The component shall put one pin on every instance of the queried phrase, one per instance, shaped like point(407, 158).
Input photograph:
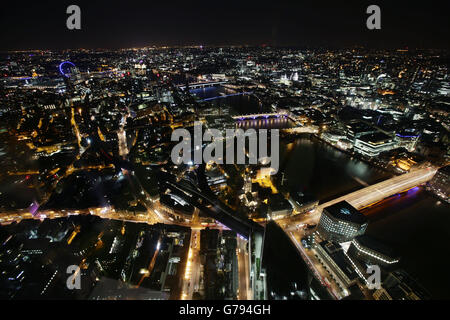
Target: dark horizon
point(106, 25)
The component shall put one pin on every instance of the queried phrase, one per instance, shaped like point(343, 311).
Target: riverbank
point(359, 157)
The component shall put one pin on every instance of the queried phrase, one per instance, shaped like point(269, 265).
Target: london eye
point(65, 68)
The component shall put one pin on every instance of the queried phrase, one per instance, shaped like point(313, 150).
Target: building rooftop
point(359, 127)
point(345, 211)
point(445, 170)
point(336, 253)
point(278, 202)
point(374, 244)
point(375, 138)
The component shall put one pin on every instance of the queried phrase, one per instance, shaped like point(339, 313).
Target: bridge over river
point(370, 195)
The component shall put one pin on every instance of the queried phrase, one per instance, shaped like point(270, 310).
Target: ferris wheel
point(65, 68)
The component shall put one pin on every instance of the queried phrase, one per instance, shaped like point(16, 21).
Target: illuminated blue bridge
point(227, 95)
point(262, 116)
point(196, 85)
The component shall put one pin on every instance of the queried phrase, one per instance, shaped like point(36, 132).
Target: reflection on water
point(269, 123)
point(243, 104)
point(315, 167)
point(209, 92)
point(417, 225)
point(413, 223)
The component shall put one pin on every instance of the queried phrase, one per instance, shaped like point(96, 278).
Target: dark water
point(417, 226)
point(243, 104)
point(314, 167)
point(263, 123)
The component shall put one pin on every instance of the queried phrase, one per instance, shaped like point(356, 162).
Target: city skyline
point(224, 152)
point(140, 24)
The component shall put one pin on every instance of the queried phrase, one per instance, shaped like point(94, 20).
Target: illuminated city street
point(215, 153)
point(244, 272)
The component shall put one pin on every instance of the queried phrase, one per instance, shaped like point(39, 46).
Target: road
point(366, 196)
point(384, 189)
point(151, 265)
point(123, 150)
point(244, 270)
point(191, 279)
point(359, 199)
point(317, 269)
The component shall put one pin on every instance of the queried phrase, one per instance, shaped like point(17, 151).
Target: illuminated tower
point(341, 222)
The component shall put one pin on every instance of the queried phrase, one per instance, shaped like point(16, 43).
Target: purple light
point(60, 67)
point(34, 208)
point(401, 136)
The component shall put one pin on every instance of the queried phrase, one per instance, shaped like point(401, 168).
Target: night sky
point(131, 23)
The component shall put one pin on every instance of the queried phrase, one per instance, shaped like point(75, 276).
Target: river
point(415, 224)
